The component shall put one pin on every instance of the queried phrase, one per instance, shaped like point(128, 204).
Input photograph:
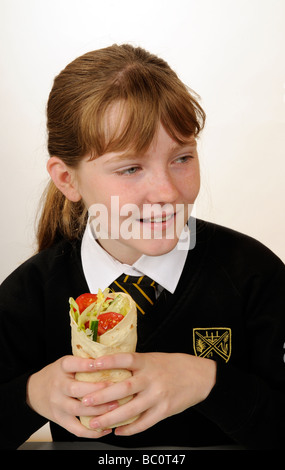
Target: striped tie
point(141, 289)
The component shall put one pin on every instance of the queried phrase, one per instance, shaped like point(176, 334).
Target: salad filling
point(95, 314)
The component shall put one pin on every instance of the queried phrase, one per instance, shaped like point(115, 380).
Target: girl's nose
point(162, 188)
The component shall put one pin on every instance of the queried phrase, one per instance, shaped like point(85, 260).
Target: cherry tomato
point(84, 300)
point(107, 321)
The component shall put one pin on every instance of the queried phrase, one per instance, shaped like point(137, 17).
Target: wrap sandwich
point(103, 324)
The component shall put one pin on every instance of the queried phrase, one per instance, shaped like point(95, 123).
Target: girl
point(209, 366)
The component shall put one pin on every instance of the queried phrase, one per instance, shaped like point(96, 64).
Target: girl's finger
point(77, 389)
point(133, 408)
point(74, 426)
point(115, 391)
point(73, 364)
point(75, 407)
point(130, 361)
point(146, 420)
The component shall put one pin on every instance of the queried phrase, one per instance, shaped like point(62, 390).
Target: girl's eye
point(128, 171)
point(183, 159)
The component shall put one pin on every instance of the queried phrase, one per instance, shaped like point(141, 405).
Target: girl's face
point(159, 184)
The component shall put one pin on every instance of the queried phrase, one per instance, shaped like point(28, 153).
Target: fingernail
point(95, 364)
point(87, 401)
point(113, 406)
point(92, 365)
point(98, 363)
point(94, 424)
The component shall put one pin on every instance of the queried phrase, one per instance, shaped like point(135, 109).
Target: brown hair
point(149, 92)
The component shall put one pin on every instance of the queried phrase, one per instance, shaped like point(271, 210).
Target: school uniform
point(226, 303)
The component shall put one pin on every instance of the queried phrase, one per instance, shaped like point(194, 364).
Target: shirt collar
point(101, 269)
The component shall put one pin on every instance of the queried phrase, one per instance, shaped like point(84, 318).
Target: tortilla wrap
point(121, 338)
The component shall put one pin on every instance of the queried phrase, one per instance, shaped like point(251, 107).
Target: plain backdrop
point(231, 52)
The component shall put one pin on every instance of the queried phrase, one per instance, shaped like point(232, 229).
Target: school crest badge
point(212, 342)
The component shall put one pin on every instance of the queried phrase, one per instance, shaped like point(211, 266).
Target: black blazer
point(229, 306)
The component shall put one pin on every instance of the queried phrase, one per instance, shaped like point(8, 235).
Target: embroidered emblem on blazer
point(213, 342)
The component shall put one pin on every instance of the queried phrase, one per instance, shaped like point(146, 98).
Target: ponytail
point(60, 218)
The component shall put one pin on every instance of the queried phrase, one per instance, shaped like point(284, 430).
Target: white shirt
point(101, 269)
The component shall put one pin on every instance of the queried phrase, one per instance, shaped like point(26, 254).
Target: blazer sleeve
point(248, 404)
point(22, 353)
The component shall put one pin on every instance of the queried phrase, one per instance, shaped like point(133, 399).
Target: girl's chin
point(153, 247)
point(129, 251)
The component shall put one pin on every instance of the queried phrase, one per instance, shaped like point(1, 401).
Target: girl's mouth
point(158, 219)
point(159, 224)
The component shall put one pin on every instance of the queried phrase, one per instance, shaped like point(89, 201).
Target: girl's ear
point(64, 178)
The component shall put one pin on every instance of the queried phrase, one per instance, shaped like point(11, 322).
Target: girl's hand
point(54, 393)
point(163, 384)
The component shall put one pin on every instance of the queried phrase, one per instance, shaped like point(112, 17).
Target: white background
point(231, 52)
